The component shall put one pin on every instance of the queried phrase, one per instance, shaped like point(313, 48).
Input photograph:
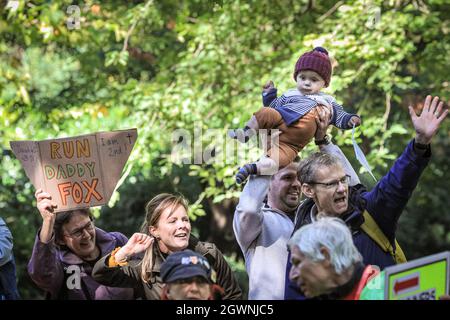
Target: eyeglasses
point(333, 184)
point(78, 233)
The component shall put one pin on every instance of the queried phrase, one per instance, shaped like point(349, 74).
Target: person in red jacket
point(326, 262)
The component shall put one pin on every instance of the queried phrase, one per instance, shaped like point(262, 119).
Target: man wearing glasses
point(326, 185)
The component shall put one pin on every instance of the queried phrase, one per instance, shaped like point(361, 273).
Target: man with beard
point(371, 215)
point(263, 229)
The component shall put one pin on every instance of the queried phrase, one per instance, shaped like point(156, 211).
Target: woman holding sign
point(65, 250)
point(166, 229)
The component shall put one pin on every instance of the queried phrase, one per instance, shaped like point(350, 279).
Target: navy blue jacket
point(385, 203)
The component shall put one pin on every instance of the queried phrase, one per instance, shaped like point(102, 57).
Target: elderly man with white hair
point(326, 262)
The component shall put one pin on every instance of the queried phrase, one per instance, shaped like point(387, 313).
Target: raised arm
point(269, 96)
point(127, 276)
point(269, 93)
point(248, 218)
point(114, 270)
point(44, 267)
point(386, 201)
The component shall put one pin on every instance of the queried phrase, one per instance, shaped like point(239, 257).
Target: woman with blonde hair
point(166, 229)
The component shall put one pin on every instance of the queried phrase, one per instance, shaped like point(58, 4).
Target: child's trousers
point(292, 139)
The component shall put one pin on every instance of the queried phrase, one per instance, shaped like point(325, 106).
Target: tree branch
point(130, 31)
point(388, 111)
point(385, 118)
point(330, 12)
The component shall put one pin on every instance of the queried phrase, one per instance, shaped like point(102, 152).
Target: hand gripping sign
point(80, 171)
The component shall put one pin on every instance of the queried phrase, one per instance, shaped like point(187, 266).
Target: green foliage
point(162, 66)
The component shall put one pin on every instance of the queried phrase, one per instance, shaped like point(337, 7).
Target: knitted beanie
point(316, 60)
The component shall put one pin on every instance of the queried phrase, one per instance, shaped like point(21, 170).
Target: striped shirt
point(292, 105)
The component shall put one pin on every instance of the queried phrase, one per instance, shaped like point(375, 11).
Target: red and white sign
point(406, 284)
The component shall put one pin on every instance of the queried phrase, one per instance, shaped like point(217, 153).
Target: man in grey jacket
point(263, 229)
point(8, 285)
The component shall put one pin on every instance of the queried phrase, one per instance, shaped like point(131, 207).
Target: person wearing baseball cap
point(188, 276)
point(295, 114)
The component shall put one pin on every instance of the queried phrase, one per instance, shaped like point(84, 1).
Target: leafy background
point(163, 66)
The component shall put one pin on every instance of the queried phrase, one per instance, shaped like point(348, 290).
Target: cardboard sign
point(422, 279)
point(80, 171)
